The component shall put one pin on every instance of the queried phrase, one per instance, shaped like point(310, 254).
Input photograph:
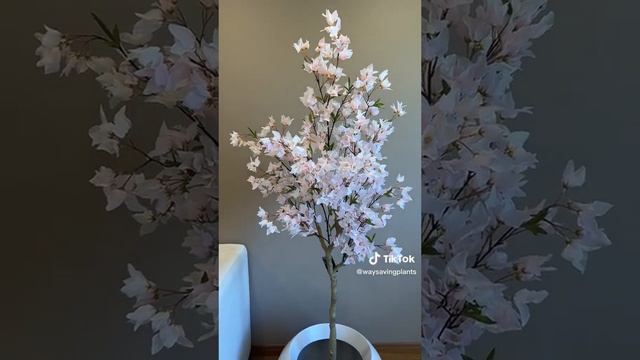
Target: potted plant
point(327, 176)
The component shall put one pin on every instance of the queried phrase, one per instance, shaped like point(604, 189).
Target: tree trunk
point(333, 342)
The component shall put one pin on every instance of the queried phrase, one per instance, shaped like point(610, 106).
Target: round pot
point(321, 332)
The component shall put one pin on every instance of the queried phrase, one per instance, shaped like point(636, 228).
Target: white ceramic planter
point(233, 299)
point(321, 332)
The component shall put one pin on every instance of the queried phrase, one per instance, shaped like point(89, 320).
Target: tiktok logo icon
point(374, 259)
point(392, 259)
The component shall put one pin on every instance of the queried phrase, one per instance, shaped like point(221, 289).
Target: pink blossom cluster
point(473, 176)
point(328, 177)
point(177, 178)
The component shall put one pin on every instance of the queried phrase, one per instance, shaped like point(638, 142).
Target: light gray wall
point(63, 256)
point(260, 76)
point(584, 86)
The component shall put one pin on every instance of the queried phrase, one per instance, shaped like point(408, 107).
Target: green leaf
point(371, 238)
point(103, 26)
point(310, 151)
point(539, 216)
point(509, 7)
point(339, 229)
point(445, 87)
point(116, 34)
point(536, 229)
point(492, 354)
point(204, 278)
point(428, 249)
point(474, 311)
point(533, 224)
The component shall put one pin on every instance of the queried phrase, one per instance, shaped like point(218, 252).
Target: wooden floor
point(387, 352)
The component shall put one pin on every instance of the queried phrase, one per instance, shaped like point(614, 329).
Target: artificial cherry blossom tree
point(327, 176)
point(177, 179)
point(473, 176)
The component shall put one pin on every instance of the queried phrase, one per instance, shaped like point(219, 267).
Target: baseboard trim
point(266, 350)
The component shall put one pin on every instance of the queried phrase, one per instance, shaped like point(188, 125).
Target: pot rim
point(319, 332)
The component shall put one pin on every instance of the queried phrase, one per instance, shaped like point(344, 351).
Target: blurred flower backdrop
point(473, 177)
point(177, 178)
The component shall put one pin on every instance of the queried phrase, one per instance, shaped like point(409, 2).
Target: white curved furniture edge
point(321, 332)
point(233, 299)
